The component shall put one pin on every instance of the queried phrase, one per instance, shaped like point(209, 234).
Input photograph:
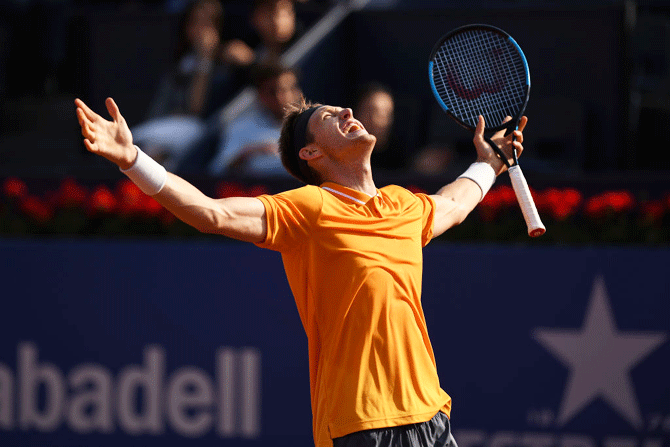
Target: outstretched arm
point(457, 199)
point(241, 218)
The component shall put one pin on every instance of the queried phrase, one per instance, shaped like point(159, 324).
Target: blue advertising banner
point(107, 343)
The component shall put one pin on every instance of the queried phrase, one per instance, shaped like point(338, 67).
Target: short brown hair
point(295, 165)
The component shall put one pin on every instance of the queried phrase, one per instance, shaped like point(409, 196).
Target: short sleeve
point(427, 217)
point(290, 217)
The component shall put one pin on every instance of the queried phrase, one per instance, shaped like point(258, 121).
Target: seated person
point(374, 106)
point(275, 25)
point(191, 91)
point(250, 142)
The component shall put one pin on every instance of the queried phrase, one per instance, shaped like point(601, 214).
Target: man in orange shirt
point(353, 258)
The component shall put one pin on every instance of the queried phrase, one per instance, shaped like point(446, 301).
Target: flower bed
point(613, 217)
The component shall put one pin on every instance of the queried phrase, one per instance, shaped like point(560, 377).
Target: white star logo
point(600, 359)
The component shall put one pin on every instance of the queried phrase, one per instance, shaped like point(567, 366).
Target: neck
point(357, 177)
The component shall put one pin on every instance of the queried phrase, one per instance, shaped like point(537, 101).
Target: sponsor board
point(111, 343)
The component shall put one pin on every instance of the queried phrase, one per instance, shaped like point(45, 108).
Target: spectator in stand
point(197, 85)
point(433, 160)
point(438, 156)
point(275, 24)
point(273, 28)
point(249, 145)
point(374, 106)
point(375, 109)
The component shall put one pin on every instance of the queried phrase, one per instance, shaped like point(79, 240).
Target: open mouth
point(352, 128)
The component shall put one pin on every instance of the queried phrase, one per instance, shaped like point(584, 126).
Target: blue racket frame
point(516, 115)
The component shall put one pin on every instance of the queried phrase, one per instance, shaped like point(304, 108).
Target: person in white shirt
point(249, 144)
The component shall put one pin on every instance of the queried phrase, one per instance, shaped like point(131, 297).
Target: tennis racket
point(480, 70)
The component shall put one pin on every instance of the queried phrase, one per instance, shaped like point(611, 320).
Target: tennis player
point(353, 258)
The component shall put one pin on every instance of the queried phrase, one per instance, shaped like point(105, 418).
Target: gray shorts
point(434, 433)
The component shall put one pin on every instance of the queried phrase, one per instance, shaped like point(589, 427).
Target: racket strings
point(479, 72)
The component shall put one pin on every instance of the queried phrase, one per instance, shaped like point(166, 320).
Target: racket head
point(477, 70)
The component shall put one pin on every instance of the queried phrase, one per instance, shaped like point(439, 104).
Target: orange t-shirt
point(354, 265)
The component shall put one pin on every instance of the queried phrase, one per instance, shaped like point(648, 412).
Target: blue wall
point(153, 343)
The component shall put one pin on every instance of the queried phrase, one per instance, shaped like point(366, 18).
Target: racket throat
point(499, 152)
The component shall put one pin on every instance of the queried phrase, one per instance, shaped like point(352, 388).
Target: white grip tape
point(523, 196)
point(147, 174)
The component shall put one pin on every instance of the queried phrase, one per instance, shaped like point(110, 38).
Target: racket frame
point(514, 122)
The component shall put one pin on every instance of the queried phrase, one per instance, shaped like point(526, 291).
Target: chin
point(370, 139)
point(366, 141)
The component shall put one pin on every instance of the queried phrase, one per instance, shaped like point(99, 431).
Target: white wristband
point(147, 174)
point(482, 174)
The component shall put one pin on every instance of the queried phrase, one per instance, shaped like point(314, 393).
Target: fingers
point(91, 147)
point(113, 110)
point(479, 130)
point(518, 134)
point(522, 123)
point(519, 148)
point(86, 126)
point(90, 114)
point(478, 140)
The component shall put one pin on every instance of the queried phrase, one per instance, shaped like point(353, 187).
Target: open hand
point(109, 139)
point(507, 144)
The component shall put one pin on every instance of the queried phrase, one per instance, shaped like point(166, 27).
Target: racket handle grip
point(535, 226)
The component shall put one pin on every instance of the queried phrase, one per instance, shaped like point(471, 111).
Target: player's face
point(335, 131)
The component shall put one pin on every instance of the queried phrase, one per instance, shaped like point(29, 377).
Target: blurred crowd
point(217, 55)
point(184, 129)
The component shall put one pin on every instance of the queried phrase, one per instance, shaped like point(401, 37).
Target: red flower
point(130, 198)
point(36, 208)
point(610, 201)
point(489, 206)
point(596, 206)
point(561, 204)
point(229, 189)
point(14, 188)
point(573, 197)
point(652, 210)
point(151, 207)
point(620, 201)
point(102, 200)
point(506, 196)
point(71, 194)
point(496, 200)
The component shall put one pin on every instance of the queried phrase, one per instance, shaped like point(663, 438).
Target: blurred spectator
point(275, 23)
point(249, 144)
point(374, 107)
point(438, 155)
point(433, 160)
point(197, 86)
point(274, 27)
